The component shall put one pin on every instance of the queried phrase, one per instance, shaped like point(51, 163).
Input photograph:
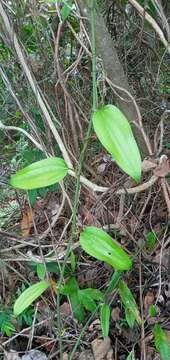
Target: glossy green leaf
point(105, 319)
point(40, 174)
point(161, 342)
point(100, 245)
point(29, 296)
point(131, 309)
point(115, 134)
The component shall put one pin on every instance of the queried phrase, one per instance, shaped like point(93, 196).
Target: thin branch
point(25, 114)
point(152, 22)
point(139, 188)
point(15, 128)
point(34, 86)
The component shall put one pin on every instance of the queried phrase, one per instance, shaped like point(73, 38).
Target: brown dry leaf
point(65, 310)
point(148, 300)
point(163, 168)
point(102, 349)
point(148, 164)
point(115, 314)
point(27, 222)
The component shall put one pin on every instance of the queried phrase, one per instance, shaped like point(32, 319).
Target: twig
point(139, 188)
point(25, 114)
point(152, 22)
point(166, 195)
point(36, 90)
point(15, 128)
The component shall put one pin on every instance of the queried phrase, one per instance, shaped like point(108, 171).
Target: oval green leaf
point(29, 296)
point(105, 319)
point(161, 342)
point(114, 132)
point(40, 174)
point(99, 244)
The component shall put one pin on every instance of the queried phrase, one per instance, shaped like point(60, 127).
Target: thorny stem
point(81, 161)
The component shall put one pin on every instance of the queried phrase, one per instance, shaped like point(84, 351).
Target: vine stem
point(81, 162)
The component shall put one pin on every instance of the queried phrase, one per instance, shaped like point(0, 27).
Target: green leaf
point(115, 134)
point(66, 9)
point(7, 328)
point(99, 244)
point(73, 261)
point(152, 310)
point(114, 281)
point(105, 319)
point(41, 271)
point(29, 296)
point(130, 316)
point(32, 194)
point(77, 307)
point(87, 300)
point(131, 309)
point(40, 174)
point(71, 289)
point(151, 240)
point(94, 294)
point(161, 342)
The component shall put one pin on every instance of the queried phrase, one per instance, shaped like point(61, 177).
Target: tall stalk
point(81, 160)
